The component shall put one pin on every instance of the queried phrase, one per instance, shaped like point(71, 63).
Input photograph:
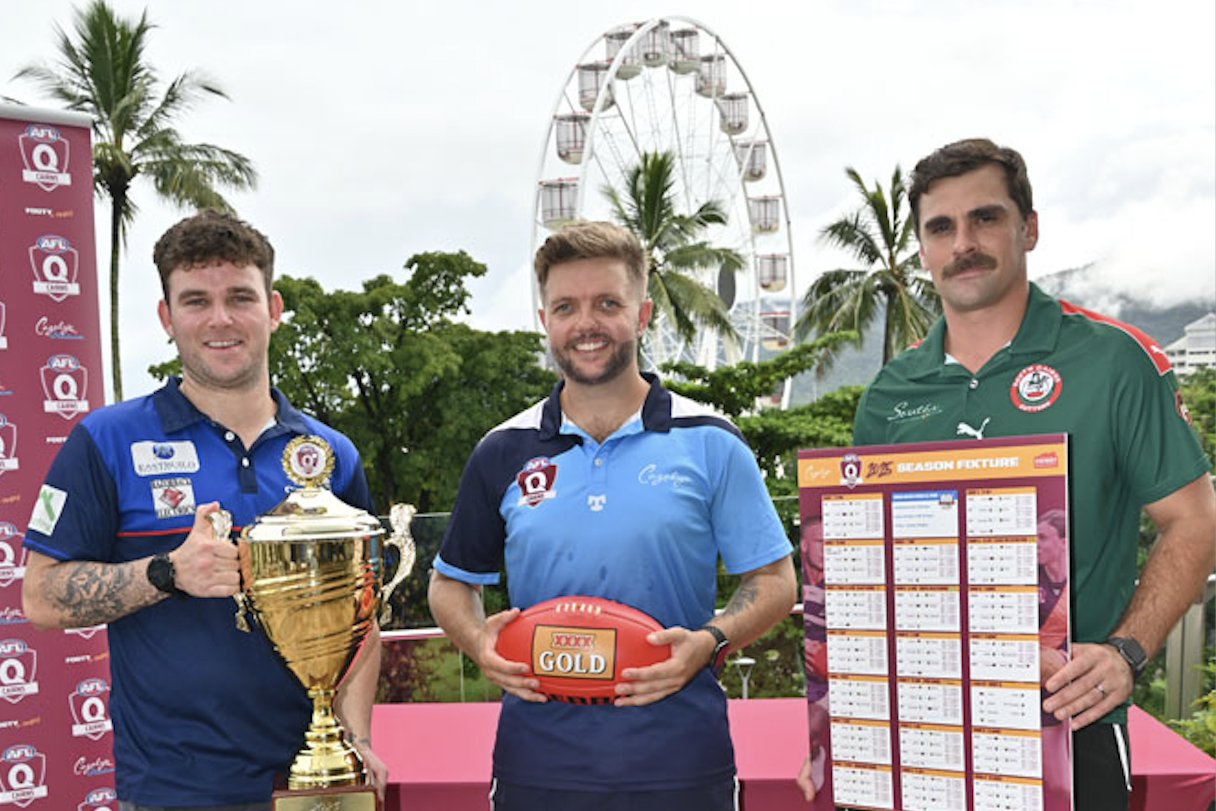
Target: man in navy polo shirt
point(204, 715)
point(647, 490)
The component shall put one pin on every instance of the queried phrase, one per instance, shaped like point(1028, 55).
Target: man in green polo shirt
point(1007, 359)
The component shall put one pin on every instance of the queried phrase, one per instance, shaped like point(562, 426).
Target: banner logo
point(10, 567)
point(56, 330)
point(22, 775)
point(18, 670)
point(99, 799)
point(8, 445)
point(55, 264)
point(90, 704)
point(45, 154)
point(536, 481)
point(64, 381)
point(850, 470)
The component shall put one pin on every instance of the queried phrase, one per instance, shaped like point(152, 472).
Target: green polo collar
point(1038, 333)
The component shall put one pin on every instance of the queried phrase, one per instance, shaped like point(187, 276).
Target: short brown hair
point(962, 157)
point(591, 240)
point(212, 235)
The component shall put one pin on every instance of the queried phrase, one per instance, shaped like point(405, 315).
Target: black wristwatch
point(1131, 651)
point(160, 574)
point(721, 647)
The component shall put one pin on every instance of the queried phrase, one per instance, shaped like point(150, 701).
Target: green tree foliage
point(879, 235)
point(389, 367)
point(102, 70)
point(1199, 394)
point(674, 244)
point(775, 435)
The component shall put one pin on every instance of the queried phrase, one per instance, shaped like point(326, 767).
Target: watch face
point(160, 573)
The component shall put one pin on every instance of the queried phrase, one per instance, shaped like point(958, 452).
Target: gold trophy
point(311, 573)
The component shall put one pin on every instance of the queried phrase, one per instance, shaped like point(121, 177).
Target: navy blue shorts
point(723, 796)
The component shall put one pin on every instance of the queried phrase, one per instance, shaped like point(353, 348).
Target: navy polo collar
point(656, 410)
point(177, 413)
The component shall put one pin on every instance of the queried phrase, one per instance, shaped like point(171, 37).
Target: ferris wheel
point(671, 85)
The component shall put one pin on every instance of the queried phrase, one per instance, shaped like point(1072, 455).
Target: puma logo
point(966, 430)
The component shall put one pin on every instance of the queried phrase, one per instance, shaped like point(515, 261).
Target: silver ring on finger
point(1100, 689)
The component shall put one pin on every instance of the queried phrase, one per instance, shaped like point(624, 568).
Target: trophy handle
point(400, 516)
point(244, 604)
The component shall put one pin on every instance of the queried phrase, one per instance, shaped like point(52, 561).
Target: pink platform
point(439, 757)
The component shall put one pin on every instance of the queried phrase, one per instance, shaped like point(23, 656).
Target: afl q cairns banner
point(55, 730)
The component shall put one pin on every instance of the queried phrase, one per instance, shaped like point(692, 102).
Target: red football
point(578, 646)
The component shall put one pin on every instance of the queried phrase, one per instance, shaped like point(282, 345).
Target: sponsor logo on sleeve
point(536, 481)
point(45, 155)
point(90, 705)
point(1183, 411)
point(18, 670)
point(22, 775)
point(1035, 387)
point(55, 264)
point(152, 458)
point(64, 382)
point(173, 497)
point(47, 509)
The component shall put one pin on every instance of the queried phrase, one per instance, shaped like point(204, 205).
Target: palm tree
point(671, 241)
point(102, 71)
point(879, 235)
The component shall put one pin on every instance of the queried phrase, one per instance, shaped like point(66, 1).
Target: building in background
point(1196, 348)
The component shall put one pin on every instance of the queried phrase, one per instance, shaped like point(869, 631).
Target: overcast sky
point(381, 129)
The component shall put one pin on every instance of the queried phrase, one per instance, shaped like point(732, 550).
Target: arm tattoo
point(89, 593)
point(743, 598)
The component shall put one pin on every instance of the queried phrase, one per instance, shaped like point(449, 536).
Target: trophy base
point(333, 798)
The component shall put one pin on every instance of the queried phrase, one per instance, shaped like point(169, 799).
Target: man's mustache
point(971, 260)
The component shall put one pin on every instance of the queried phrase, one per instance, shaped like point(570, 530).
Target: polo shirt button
point(974, 384)
point(245, 462)
point(599, 461)
point(228, 435)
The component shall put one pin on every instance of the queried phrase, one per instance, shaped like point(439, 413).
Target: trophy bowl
point(311, 574)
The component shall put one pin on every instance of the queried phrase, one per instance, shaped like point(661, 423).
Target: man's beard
point(620, 360)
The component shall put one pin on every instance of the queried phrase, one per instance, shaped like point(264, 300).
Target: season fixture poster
point(935, 596)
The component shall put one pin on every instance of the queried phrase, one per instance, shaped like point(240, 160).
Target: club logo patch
point(173, 497)
point(1036, 387)
point(536, 481)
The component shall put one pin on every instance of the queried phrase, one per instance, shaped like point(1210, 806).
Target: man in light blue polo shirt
point(613, 487)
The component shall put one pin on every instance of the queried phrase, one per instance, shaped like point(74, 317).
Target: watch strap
point(1131, 651)
point(721, 647)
